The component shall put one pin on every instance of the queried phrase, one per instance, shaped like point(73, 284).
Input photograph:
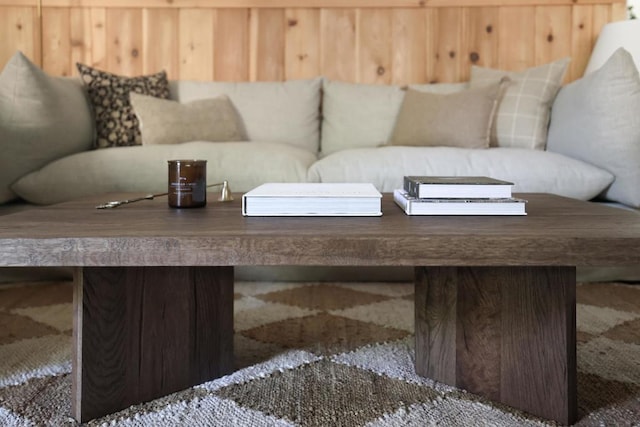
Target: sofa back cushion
point(597, 119)
point(357, 115)
point(286, 112)
point(42, 118)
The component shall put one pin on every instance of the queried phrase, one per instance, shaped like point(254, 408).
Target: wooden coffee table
point(153, 300)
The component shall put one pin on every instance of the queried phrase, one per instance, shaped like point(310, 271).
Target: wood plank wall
point(369, 41)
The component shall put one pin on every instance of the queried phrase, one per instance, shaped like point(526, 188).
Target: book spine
point(411, 186)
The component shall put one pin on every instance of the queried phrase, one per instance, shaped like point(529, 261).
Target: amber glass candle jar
point(187, 183)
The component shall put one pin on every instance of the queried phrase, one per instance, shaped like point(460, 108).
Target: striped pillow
point(523, 116)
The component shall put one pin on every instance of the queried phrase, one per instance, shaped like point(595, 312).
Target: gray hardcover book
point(458, 187)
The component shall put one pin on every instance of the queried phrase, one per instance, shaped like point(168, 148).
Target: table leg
point(506, 333)
point(144, 332)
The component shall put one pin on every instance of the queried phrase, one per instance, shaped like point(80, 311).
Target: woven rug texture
point(315, 354)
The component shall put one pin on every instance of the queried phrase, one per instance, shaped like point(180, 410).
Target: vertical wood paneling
point(302, 43)
point(267, 44)
point(81, 36)
point(481, 40)
point(124, 41)
point(338, 44)
point(516, 33)
point(195, 44)
point(231, 38)
point(447, 31)
point(431, 44)
point(582, 40)
point(374, 39)
point(553, 33)
point(160, 29)
point(99, 34)
point(409, 53)
point(19, 30)
point(56, 41)
point(369, 45)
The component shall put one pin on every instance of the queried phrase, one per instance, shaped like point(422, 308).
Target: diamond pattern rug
point(315, 354)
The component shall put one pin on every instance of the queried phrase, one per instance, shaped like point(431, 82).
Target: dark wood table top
point(556, 231)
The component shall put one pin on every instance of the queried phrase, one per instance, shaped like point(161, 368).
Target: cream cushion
point(530, 170)
point(597, 119)
point(287, 112)
point(164, 121)
point(144, 169)
point(522, 119)
point(42, 118)
point(461, 119)
point(357, 115)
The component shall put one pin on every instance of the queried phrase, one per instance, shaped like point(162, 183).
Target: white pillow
point(522, 119)
point(597, 119)
point(42, 118)
point(287, 112)
point(532, 171)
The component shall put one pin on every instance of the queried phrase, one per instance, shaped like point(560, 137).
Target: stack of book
point(464, 195)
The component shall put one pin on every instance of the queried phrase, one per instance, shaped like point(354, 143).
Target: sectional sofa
point(65, 138)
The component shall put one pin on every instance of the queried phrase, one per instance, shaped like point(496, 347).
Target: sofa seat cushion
point(283, 112)
point(144, 169)
point(532, 171)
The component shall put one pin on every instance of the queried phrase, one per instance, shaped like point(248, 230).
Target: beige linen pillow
point(42, 118)
point(116, 125)
point(163, 121)
point(461, 119)
point(522, 118)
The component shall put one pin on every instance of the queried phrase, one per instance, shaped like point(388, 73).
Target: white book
point(312, 199)
point(501, 206)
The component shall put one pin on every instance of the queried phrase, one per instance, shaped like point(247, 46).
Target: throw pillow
point(597, 119)
point(42, 118)
point(461, 119)
point(163, 121)
point(116, 125)
point(522, 119)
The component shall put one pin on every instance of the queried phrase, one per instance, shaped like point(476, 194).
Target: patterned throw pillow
point(116, 123)
point(522, 119)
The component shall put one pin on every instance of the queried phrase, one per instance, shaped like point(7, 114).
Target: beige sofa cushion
point(144, 169)
point(523, 115)
point(597, 119)
point(42, 118)
point(287, 112)
point(357, 115)
point(164, 121)
point(461, 119)
point(530, 170)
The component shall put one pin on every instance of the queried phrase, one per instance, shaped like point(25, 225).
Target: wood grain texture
point(308, 3)
point(507, 333)
point(436, 296)
point(377, 42)
point(141, 333)
point(196, 44)
point(302, 48)
point(20, 30)
point(556, 231)
point(538, 362)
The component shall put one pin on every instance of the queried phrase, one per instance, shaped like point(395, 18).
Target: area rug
point(315, 354)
